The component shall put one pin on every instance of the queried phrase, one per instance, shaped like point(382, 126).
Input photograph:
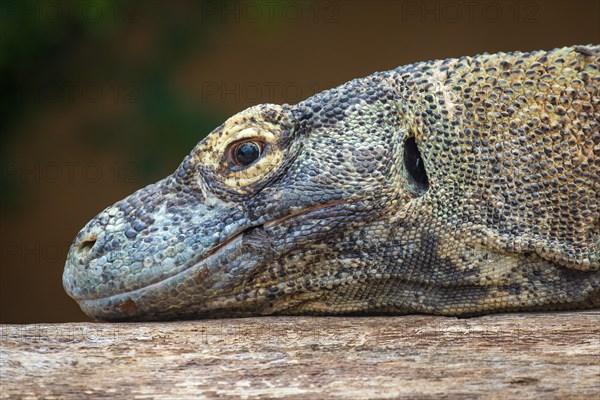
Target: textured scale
point(454, 187)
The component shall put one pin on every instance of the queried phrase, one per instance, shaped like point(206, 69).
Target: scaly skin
point(494, 209)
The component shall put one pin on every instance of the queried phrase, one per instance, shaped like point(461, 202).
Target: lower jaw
point(164, 299)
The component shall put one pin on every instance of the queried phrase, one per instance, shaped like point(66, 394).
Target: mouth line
point(215, 250)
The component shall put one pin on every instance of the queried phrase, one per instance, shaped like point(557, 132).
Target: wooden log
point(536, 355)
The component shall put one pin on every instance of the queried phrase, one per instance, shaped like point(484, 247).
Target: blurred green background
point(100, 98)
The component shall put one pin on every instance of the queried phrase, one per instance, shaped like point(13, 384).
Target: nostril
point(86, 245)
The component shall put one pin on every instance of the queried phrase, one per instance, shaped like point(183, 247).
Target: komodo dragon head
point(383, 195)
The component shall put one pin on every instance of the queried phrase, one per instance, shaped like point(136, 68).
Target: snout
point(152, 252)
point(81, 277)
point(117, 246)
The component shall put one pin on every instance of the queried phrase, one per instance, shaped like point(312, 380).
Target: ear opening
point(415, 167)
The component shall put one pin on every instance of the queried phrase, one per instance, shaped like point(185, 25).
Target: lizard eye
point(249, 155)
point(246, 153)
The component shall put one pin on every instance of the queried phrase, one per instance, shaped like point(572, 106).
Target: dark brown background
point(100, 98)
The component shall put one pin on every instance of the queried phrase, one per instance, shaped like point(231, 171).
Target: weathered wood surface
point(544, 355)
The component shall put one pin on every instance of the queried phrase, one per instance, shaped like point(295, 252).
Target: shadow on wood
point(549, 355)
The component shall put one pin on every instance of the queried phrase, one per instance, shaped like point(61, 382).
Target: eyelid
point(249, 134)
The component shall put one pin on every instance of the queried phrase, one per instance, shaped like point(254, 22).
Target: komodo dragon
point(453, 187)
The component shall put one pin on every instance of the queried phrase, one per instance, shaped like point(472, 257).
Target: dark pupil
point(247, 153)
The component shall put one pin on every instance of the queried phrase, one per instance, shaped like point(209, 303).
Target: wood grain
point(542, 355)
